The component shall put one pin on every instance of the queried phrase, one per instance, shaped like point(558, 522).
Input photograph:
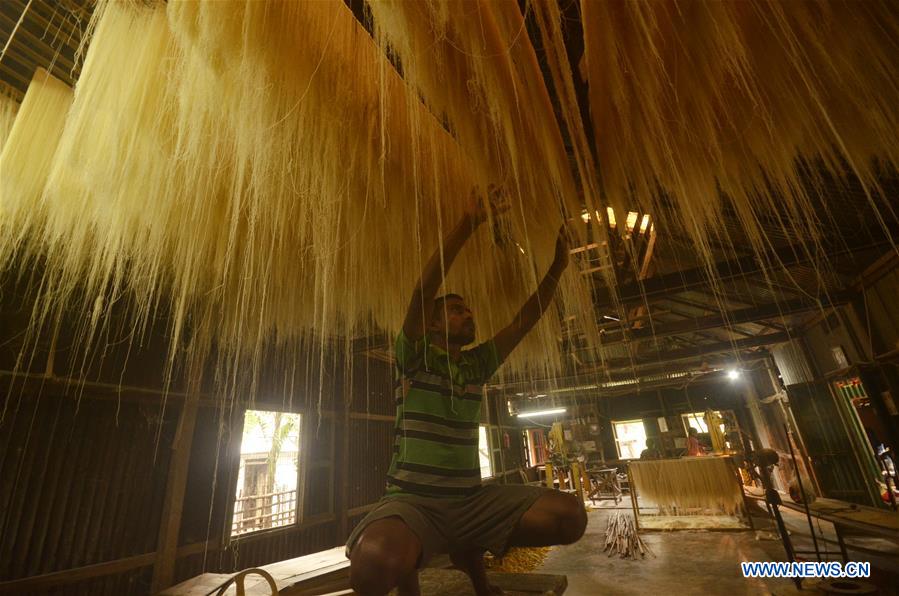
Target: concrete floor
point(684, 562)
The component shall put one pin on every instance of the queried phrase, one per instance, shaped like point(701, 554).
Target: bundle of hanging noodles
point(688, 486)
point(262, 172)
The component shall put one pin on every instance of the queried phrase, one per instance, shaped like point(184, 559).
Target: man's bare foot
point(472, 563)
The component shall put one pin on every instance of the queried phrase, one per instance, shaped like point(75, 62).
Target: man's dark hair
point(440, 300)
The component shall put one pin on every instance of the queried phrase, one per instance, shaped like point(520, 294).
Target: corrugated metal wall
point(792, 363)
point(80, 483)
point(84, 482)
point(371, 447)
point(828, 443)
point(882, 303)
point(827, 334)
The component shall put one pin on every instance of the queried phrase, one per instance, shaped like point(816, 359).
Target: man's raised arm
point(422, 303)
point(506, 340)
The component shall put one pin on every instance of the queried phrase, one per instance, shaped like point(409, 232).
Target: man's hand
point(415, 325)
point(497, 201)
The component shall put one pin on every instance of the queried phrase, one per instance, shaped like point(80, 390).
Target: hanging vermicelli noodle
point(265, 175)
point(28, 151)
point(706, 111)
point(688, 486)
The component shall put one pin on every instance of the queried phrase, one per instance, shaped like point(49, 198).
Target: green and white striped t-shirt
point(438, 408)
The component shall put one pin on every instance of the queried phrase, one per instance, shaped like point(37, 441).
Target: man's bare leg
point(555, 518)
point(385, 557)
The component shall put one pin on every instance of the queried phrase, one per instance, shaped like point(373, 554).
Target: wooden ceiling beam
point(774, 310)
point(660, 287)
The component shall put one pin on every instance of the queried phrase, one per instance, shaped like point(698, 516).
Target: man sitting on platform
point(434, 501)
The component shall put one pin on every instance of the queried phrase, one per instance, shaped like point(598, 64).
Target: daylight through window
point(630, 438)
point(268, 477)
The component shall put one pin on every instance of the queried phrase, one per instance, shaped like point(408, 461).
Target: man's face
point(453, 320)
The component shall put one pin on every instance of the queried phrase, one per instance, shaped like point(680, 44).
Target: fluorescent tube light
point(542, 413)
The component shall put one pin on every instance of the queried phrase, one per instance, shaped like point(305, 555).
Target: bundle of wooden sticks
point(622, 538)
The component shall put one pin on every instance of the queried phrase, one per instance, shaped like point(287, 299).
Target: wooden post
point(343, 472)
point(576, 477)
point(179, 463)
point(586, 485)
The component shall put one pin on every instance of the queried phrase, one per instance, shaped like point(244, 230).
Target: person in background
point(693, 445)
point(651, 451)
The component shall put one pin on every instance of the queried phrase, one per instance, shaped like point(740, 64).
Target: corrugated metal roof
point(44, 34)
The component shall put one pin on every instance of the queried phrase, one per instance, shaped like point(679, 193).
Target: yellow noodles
point(260, 170)
point(688, 486)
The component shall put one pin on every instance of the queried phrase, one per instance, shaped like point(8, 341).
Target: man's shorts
point(483, 521)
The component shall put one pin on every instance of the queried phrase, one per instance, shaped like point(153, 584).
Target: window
point(534, 446)
point(697, 420)
point(496, 445)
point(630, 438)
point(719, 439)
point(484, 452)
point(268, 477)
point(490, 451)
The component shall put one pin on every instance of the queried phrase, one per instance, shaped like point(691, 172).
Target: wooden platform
point(320, 571)
point(327, 572)
point(450, 582)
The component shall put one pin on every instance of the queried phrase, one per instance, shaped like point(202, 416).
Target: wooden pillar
point(343, 472)
point(179, 463)
point(576, 478)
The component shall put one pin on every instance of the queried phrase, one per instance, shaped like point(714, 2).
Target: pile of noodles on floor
point(518, 560)
point(264, 174)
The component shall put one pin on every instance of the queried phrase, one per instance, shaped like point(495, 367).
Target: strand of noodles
point(475, 69)
point(33, 134)
point(30, 144)
point(697, 112)
point(549, 21)
point(240, 174)
point(697, 486)
point(263, 165)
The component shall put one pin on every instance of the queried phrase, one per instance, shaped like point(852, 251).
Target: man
point(434, 501)
point(694, 447)
point(651, 451)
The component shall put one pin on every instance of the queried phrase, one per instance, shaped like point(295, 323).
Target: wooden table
point(605, 484)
